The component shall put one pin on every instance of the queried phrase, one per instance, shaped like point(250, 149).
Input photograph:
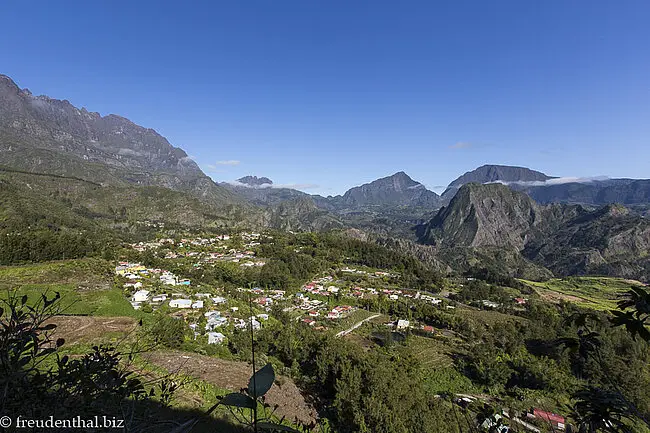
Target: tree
point(168, 331)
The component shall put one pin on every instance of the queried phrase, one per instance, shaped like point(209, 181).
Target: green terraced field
point(599, 293)
point(85, 286)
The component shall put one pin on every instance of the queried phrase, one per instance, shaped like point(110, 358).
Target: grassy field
point(487, 317)
point(86, 272)
point(85, 286)
point(354, 317)
point(598, 293)
point(432, 352)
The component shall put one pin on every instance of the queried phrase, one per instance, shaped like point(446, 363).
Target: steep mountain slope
point(40, 134)
point(61, 202)
point(546, 189)
point(300, 214)
point(260, 191)
point(492, 173)
point(608, 241)
point(396, 190)
point(481, 215)
point(567, 239)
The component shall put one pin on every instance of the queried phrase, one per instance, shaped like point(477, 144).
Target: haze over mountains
point(112, 171)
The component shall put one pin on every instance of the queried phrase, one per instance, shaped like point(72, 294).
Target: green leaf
point(275, 427)
point(261, 382)
point(238, 399)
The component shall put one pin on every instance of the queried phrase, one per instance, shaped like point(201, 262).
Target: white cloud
point(228, 162)
point(269, 185)
point(554, 181)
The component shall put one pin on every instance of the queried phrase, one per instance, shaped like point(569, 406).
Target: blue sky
point(332, 94)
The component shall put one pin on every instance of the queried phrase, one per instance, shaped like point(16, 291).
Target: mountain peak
point(59, 126)
point(255, 181)
point(395, 190)
point(494, 173)
point(481, 215)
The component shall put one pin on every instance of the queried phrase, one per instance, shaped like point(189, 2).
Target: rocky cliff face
point(255, 181)
point(568, 239)
point(300, 214)
point(484, 215)
point(113, 140)
point(45, 135)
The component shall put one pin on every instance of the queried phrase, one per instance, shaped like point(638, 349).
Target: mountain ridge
point(567, 239)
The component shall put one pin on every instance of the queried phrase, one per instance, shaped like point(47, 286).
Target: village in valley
point(335, 300)
point(339, 300)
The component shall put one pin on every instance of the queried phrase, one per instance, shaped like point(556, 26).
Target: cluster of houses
point(325, 287)
point(492, 304)
point(140, 279)
point(371, 274)
point(195, 248)
point(340, 311)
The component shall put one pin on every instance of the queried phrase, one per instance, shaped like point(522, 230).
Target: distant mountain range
point(400, 191)
point(65, 168)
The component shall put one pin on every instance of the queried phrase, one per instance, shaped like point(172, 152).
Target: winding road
point(356, 325)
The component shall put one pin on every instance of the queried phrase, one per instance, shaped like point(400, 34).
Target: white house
point(254, 323)
point(218, 300)
point(197, 305)
point(141, 296)
point(215, 322)
point(263, 316)
point(216, 338)
point(402, 324)
point(159, 298)
point(180, 303)
point(490, 304)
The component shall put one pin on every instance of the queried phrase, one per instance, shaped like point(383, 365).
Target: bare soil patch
point(76, 329)
point(556, 297)
point(234, 375)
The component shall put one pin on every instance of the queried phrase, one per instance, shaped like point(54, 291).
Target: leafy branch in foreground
point(600, 409)
point(637, 319)
point(36, 381)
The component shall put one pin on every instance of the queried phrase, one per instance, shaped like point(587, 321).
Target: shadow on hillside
point(168, 419)
point(139, 417)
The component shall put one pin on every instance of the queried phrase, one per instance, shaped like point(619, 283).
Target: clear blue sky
point(332, 94)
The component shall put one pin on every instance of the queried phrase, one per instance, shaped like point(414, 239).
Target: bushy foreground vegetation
point(591, 366)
